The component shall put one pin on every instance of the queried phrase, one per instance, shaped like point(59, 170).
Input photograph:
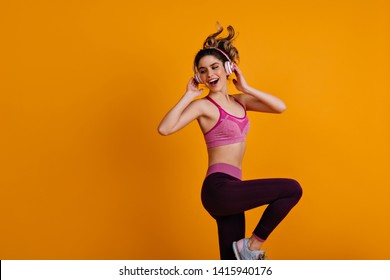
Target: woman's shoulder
point(204, 105)
point(238, 97)
point(202, 102)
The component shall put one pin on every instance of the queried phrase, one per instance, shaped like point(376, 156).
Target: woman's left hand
point(240, 82)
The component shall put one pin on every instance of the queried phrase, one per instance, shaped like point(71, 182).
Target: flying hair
point(225, 44)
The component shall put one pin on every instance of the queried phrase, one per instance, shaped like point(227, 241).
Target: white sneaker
point(245, 253)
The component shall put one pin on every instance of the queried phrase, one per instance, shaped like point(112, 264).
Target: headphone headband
point(221, 51)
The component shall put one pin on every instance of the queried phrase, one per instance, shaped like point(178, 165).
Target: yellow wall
point(84, 84)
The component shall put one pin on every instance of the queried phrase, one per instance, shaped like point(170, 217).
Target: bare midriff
point(232, 154)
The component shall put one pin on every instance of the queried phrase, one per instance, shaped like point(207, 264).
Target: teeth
point(213, 80)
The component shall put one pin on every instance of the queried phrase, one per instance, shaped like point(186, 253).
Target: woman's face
point(212, 73)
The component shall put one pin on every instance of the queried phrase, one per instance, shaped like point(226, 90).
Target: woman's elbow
point(282, 108)
point(162, 131)
point(279, 109)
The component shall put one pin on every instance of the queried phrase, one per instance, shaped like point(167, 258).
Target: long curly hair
point(213, 44)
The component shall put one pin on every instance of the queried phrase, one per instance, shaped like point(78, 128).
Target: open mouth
point(213, 82)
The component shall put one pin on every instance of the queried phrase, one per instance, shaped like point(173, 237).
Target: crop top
point(229, 129)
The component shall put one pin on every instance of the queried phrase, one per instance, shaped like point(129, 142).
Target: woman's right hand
point(192, 89)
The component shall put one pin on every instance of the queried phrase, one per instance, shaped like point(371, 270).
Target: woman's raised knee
point(296, 188)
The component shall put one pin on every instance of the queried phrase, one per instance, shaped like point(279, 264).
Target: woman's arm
point(185, 111)
point(256, 100)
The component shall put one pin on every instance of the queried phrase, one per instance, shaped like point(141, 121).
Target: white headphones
point(228, 65)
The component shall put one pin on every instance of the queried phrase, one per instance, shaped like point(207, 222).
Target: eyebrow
point(210, 65)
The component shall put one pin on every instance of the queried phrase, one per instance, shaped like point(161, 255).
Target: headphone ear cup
point(197, 78)
point(228, 67)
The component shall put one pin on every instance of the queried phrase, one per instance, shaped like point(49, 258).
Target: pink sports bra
point(229, 129)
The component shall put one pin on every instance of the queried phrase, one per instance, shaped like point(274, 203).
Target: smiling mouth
point(213, 82)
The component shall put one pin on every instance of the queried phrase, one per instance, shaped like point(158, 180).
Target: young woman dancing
point(224, 122)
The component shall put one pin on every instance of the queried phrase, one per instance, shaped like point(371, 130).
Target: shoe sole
point(235, 250)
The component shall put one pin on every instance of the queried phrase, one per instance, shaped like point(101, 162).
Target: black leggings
point(226, 198)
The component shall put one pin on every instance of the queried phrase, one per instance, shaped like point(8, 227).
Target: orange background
point(84, 84)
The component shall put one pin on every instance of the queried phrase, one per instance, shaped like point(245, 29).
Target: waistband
point(225, 168)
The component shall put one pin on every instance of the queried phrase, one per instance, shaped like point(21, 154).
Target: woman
point(224, 123)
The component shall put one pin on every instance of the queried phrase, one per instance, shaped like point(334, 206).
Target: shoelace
point(263, 256)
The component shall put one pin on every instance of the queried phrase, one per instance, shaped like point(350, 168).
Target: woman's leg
point(281, 195)
point(224, 195)
point(230, 228)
